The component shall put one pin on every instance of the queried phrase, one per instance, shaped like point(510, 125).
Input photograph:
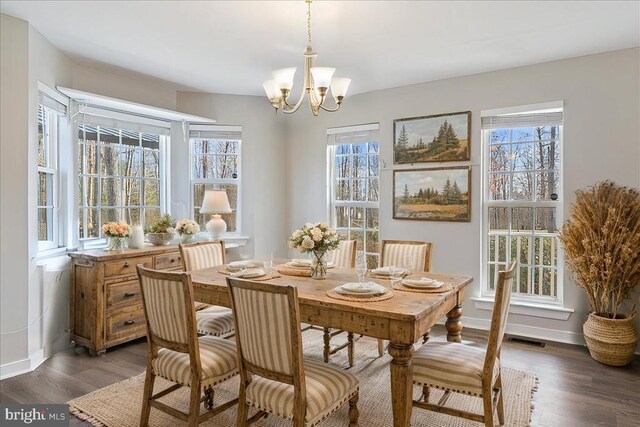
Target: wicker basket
point(160, 239)
point(610, 341)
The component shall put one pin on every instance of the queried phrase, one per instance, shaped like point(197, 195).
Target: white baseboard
point(12, 369)
point(527, 331)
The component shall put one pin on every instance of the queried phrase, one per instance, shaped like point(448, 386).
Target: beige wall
point(14, 259)
point(601, 141)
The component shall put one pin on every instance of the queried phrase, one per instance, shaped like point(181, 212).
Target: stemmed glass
point(361, 266)
point(395, 274)
point(407, 264)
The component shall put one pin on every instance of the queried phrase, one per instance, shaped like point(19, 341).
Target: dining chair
point(210, 319)
point(460, 368)
point(274, 377)
point(175, 351)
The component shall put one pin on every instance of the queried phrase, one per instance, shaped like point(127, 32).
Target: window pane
point(358, 236)
point(358, 191)
point(547, 183)
point(132, 215)
point(356, 218)
point(42, 149)
point(151, 215)
point(374, 165)
point(221, 146)
point(499, 158)
point(343, 191)
point(372, 218)
point(374, 147)
point(131, 139)
point(359, 166)
point(372, 241)
point(343, 149)
point(341, 216)
point(131, 162)
point(110, 161)
point(131, 192)
point(45, 189)
point(522, 186)
point(522, 219)
point(547, 155)
point(522, 134)
point(91, 191)
point(80, 159)
point(109, 215)
point(91, 159)
point(93, 225)
point(372, 261)
point(522, 285)
point(150, 141)
point(343, 166)
point(546, 220)
point(152, 192)
point(45, 224)
point(499, 186)
point(498, 219)
point(151, 168)
point(226, 166)
point(110, 192)
point(498, 136)
point(359, 148)
point(523, 157)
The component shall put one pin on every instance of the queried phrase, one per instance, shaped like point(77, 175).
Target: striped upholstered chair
point(394, 253)
point(345, 255)
point(461, 368)
point(175, 351)
point(274, 377)
point(211, 319)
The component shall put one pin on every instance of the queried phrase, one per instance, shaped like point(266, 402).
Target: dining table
point(403, 320)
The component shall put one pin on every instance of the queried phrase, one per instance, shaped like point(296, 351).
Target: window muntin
point(522, 207)
point(119, 178)
point(47, 182)
point(354, 190)
point(215, 164)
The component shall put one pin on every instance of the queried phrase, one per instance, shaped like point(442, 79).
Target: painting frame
point(425, 215)
point(399, 159)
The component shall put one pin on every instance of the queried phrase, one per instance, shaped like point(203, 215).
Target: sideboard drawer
point(122, 294)
point(128, 323)
point(126, 267)
point(168, 261)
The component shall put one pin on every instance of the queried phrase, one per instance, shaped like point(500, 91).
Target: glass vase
point(186, 238)
point(319, 265)
point(116, 243)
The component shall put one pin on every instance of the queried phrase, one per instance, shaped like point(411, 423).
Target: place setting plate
point(423, 284)
point(368, 291)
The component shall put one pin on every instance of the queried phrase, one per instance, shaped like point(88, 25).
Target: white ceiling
point(232, 46)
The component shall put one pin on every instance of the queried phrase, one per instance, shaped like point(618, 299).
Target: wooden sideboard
point(106, 304)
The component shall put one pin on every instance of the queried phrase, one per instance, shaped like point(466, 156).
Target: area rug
point(118, 405)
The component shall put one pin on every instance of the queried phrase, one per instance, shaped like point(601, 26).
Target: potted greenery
point(602, 245)
point(161, 231)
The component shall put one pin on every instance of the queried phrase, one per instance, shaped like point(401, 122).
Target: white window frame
point(217, 181)
point(332, 203)
point(486, 292)
point(51, 141)
point(163, 172)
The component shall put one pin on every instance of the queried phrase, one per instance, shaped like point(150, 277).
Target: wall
point(263, 170)
point(14, 119)
point(601, 141)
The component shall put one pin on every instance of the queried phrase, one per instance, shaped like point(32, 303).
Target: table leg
point(401, 383)
point(454, 324)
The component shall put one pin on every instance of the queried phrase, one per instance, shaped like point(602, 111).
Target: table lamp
point(215, 202)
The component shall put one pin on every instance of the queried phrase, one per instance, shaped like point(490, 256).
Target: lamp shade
point(322, 76)
point(272, 90)
point(339, 86)
point(215, 202)
point(284, 77)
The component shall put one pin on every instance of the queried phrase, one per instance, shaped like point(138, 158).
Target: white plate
point(248, 274)
point(424, 284)
point(366, 288)
point(239, 264)
point(384, 271)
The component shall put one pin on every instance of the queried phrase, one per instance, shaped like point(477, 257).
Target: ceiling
point(232, 46)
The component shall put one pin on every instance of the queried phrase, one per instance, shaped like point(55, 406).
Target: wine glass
point(395, 273)
point(361, 266)
point(407, 264)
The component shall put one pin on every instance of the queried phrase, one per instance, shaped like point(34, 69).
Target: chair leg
point(149, 380)
point(350, 348)
point(488, 408)
point(194, 403)
point(425, 393)
point(327, 344)
point(354, 414)
point(500, 407)
point(243, 408)
point(380, 347)
point(210, 395)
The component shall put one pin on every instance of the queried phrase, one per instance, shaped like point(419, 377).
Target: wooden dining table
point(402, 320)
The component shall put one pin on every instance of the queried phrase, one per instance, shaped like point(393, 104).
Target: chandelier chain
point(309, 21)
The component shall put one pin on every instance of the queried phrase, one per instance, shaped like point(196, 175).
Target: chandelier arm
point(331, 110)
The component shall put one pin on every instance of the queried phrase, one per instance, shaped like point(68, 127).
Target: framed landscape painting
point(439, 138)
point(442, 194)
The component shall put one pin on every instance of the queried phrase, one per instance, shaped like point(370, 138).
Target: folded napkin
point(251, 272)
point(423, 282)
point(236, 264)
point(367, 287)
point(387, 270)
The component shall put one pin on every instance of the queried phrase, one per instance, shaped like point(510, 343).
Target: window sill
point(46, 254)
point(546, 311)
point(236, 238)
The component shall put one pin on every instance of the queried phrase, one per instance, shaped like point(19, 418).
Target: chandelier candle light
point(215, 202)
point(317, 82)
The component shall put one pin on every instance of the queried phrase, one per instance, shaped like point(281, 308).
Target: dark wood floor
point(574, 390)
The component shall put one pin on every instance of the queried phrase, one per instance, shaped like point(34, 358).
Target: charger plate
point(359, 298)
point(268, 275)
point(446, 287)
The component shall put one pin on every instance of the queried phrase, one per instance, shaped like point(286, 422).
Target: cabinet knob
point(129, 322)
point(126, 264)
point(129, 294)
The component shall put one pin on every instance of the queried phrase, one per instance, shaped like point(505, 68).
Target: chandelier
point(317, 82)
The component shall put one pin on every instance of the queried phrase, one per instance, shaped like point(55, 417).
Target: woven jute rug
point(119, 404)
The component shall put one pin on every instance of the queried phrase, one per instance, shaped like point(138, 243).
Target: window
point(50, 118)
point(522, 200)
point(120, 177)
point(354, 172)
point(215, 164)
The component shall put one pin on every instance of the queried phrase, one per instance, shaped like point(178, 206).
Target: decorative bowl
point(160, 239)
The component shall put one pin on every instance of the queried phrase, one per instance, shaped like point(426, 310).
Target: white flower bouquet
point(317, 238)
point(187, 227)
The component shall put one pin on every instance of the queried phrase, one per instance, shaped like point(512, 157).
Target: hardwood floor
point(574, 390)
